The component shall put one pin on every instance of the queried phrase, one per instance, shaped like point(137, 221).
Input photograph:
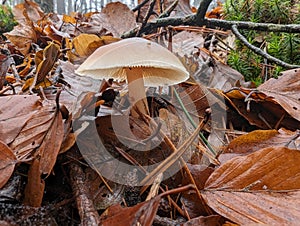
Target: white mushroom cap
point(159, 65)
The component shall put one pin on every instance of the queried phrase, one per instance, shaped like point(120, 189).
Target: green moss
point(283, 46)
point(7, 21)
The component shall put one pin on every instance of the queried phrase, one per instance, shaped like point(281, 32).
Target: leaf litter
point(45, 108)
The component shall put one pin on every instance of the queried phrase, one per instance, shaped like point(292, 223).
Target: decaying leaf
point(15, 112)
point(261, 187)
point(120, 16)
point(272, 105)
point(285, 91)
point(35, 186)
point(259, 139)
point(142, 213)
point(7, 163)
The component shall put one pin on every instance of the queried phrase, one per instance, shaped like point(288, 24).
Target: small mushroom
point(138, 61)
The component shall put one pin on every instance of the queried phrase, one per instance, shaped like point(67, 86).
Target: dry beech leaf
point(260, 139)
point(15, 112)
point(77, 86)
point(143, 213)
point(29, 10)
point(261, 110)
point(22, 36)
point(7, 163)
point(261, 187)
point(42, 127)
point(50, 56)
point(35, 186)
point(51, 144)
point(120, 16)
point(212, 220)
point(285, 91)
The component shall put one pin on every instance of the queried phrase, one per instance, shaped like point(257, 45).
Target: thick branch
point(258, 51)
point(215, 23)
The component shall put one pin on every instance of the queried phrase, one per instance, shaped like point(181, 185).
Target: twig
point(148, 14)
point(201, 11)
point(87, 212)
point(138, 7)
point(259, 51)
point(168, 11)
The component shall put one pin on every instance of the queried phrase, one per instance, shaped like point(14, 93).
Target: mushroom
point(139, 61)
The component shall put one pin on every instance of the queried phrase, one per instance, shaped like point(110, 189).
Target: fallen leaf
point(50, 56)
point(120, 16)
point(261, 187)
point(22, 36)
point(259, 139)
point(260, 109)
point(7, 163)
point(15, 112)
point(285, 91)
point(51, 144)
point(142, 213)
point(212, 220)
point(35, 186)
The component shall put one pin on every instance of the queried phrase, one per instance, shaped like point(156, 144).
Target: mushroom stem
point(136, 92)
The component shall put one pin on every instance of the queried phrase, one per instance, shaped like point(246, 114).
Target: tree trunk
point(61, 7)
point(70, 6)
point(46, 5)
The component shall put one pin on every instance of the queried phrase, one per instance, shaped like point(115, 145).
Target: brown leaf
point(43, 126)
point(7, 163)
point(274, 168)
point(142, 213)
point(213, 220)
point(120, 16)
point(22, 36)
point(28, 10)
point(260, 139)
point(35, 186)
point(285, 91)
point(256, 208)
point(51, 144)
point(15, 112)
point(260, 109)
point(50, 56)
point(257, 188)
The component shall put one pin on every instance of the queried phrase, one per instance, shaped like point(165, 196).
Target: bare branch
point(259, 51)
point(215, 23)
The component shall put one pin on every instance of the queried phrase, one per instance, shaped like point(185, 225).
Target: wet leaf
point(260, 109)
point(212, 220)
point(259, 139)
point(258, 188)
point(285, 91)
point(7, 163)
point(143, 213)
point(35, 186)
point(51, 144)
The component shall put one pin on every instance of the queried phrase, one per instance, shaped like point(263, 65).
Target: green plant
point(283, 46)
point(7, 21)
